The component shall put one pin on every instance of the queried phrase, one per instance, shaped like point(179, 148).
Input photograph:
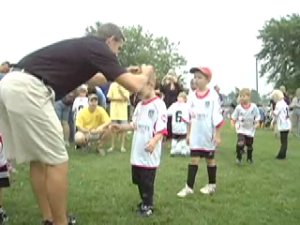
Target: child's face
point(180, 99)
point(244, 99)
point(82, 93)
point(147, 91)
point(200, 80)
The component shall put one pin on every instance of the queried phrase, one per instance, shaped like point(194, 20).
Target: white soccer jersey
point(282, 117)
point(180, 117)
point(245, 119)
point(3, 160)
point(149, 118)
point(79, 103)
point(205, 117)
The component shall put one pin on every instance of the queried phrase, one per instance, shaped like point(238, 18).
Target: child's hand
point(151, 146)
point(217, 139)
point(188, 139)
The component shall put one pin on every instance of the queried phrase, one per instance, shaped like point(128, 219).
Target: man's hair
point(108, 30)
point(6, 63)
point(245, 91)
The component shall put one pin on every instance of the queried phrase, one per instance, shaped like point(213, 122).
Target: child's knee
point(80, 138)
point(195, 160)
point(211, 162)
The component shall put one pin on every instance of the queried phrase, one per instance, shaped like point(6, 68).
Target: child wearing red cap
point(204, 131)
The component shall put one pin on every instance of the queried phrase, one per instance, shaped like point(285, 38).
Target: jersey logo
point(151, 113)
point(207, 104)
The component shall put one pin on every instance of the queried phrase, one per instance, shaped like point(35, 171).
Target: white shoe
point(123, 149)
point(185, 191)
point(208, 189)
point(110, 149)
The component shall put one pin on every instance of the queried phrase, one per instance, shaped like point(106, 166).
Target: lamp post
point(256, 71)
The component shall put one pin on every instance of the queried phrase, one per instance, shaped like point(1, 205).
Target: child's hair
point(182, 95)
point(277, 95)
point(245, 91)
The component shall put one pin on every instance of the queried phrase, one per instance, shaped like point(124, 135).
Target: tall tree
point(280, 53)
point(142, 47)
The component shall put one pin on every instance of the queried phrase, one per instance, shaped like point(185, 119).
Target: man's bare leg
point(57, 190)
point(38, 183)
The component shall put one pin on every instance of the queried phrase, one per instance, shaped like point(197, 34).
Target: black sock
point(249, 152)
point(212, 172)
point(239, 150)
point(140, 191)
point(192, 171)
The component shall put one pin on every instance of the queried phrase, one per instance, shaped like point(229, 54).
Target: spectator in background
point(105, 89)
point(81, 100)
point(295, 106)
point(4, 69)
point(101, 97)
point(170, 88)
point(92, 123)
point(285, 94)
point(62, 109)
point(119, 98)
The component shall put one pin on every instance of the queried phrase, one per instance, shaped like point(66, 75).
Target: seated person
point(92, 124)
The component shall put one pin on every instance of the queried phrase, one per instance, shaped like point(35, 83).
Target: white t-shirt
point(180, 117)
point(149, 118)
point(3, 160)
point(282, 117)
point(245, 119)
point(205, 116)
point(79, 103)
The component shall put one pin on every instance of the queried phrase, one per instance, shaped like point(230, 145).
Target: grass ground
point(101, 192)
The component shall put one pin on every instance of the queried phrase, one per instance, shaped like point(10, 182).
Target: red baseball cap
point(204, 70)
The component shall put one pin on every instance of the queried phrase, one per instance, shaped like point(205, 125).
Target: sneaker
point(238, 162)
point(72, 220)
point(208, 189)
point(250, 161)
point(146, 210)
point(185, 191)
point(111, 149)
point(47, 222)
point(123, 149)
point(3, 216)
point(101, 152)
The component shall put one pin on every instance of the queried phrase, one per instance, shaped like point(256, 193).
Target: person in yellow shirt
point(119, 99)
point(92, 123)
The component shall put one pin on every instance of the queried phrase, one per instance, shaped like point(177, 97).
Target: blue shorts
point(62, 110)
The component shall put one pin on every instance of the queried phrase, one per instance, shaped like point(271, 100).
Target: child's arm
point(153, 142)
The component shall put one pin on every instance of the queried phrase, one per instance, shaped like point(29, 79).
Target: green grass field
point(101, 192)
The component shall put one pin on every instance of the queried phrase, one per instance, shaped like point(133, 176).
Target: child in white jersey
point(282, 118)
point(81, 100)
point(180, 117)
point(4, 180)
point(246, 119)
point(149, 123)
point(204, 131)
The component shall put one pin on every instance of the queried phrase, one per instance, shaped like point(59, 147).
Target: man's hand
point(134, 69)
point(147, 70)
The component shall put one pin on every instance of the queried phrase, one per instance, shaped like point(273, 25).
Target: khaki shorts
point(28, 122)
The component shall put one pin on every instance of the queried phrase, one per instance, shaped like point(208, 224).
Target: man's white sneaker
point(185, 191)
point(208, 189)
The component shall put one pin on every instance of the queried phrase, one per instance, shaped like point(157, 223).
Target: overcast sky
point(220, 34)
